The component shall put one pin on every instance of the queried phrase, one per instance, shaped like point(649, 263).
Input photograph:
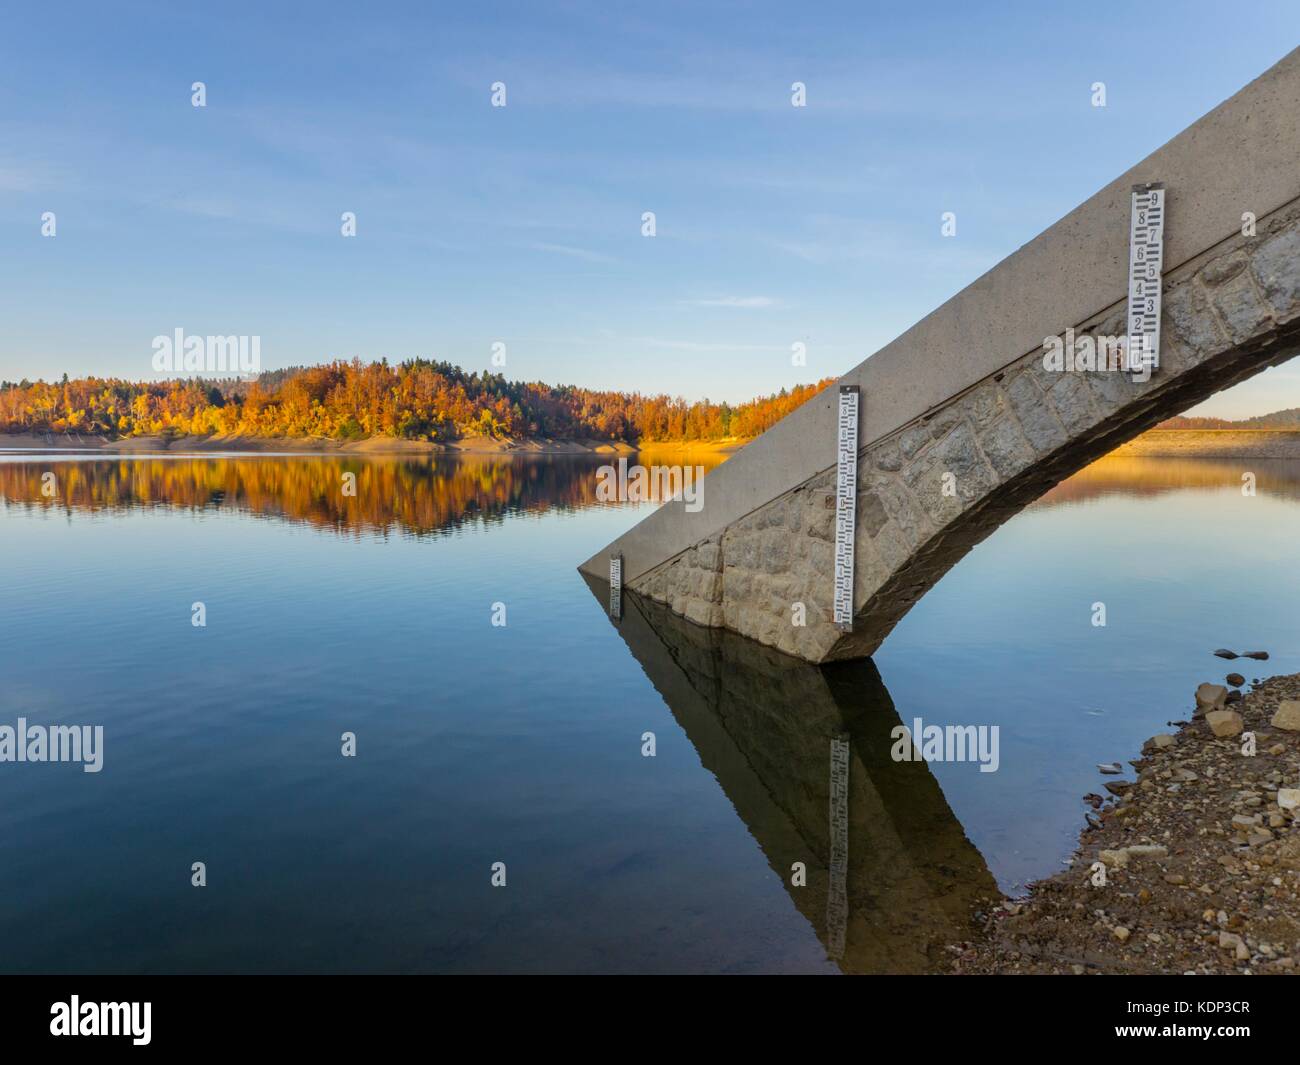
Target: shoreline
point(369, 446)
point(1156, 443)
point(1212, 443)
point(1200, 845)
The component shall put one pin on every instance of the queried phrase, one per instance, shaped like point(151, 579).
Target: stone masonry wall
point(1227, 315)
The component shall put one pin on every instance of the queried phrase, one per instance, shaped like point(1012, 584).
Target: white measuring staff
point(616, 586)
point(846, 504)
point(1146, 260)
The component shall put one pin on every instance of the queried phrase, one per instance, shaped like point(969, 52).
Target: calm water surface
point(522, 744)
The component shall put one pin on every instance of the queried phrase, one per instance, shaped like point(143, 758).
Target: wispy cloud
point(696, 345)
point(204, 208)
point(585, 254)
point(14, 180)
point(747, 303)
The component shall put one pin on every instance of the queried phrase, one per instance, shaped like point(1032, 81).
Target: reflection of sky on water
point(522, 744)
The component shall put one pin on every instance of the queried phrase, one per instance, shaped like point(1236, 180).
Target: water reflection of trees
point(412, 495)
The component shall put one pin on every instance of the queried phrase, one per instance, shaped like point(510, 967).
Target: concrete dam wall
point(962, 424)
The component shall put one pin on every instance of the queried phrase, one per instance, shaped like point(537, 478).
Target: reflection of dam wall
point(763, 723)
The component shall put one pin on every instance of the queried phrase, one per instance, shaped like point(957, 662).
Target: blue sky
point(522, 224)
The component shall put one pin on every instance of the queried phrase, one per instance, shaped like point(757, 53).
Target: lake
point(522, 743)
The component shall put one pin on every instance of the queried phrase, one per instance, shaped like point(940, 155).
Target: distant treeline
point(416, 400)
point(1282, 419)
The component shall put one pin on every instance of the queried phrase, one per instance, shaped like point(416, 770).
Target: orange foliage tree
point(416, 400)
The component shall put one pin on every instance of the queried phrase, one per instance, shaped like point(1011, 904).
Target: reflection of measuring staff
point(616, 586)
point(837, 891)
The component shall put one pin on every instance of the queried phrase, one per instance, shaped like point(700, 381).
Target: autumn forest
point(416, 400)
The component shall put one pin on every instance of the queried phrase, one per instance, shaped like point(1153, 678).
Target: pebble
point(1120, 857)
point(1224, 723)
point(1232, 941)
point(1287, 717)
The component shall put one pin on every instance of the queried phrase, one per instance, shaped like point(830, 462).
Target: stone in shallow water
point(1211, 697)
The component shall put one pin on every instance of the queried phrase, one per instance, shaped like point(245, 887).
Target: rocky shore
point(1190, 864)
